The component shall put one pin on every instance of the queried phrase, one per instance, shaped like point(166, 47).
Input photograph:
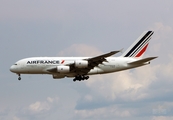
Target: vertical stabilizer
point(138, 48)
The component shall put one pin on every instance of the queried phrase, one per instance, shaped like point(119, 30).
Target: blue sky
point(86, 28)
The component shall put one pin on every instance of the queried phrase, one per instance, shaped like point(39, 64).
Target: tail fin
point(138, 48)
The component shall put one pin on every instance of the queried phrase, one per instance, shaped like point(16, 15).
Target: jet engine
point(63, 69)
point(81, 63)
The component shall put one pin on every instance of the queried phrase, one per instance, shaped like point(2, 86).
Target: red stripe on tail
point(142, 51)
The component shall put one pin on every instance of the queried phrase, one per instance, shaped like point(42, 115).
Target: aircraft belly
point(103, 69)
point(108, 68)
point(93, 71)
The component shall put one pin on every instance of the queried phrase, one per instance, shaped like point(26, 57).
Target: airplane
point(80, 68)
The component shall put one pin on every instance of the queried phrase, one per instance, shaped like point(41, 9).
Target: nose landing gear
point(19, 78)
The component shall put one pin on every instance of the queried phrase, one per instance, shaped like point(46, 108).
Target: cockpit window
point(15, 64)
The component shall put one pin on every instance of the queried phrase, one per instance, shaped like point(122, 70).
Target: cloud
point(162, 40)
point(162, 118)
point(105, 113)
point(121, 87)
point(167, 68)
point(42, 106)
point(161, 29)
point(130, 85)
point(39, 106)
point(88, 98)
point(51, 100)
point(38, 109)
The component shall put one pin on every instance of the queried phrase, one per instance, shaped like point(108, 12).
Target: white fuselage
point(40, 65)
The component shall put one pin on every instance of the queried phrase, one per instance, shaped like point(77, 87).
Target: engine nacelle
point(63, 69)
point(58, 76)
point(81, 63)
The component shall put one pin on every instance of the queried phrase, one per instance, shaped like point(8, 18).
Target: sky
point(86, 28)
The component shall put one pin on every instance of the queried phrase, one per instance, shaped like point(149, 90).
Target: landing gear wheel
point(81, 77)
point(87, 77)
point(74, 80)
point(19, 78)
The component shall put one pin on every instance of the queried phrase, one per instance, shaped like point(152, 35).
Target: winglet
point(121, 51)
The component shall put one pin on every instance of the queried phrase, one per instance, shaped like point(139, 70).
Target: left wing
point(95, 61)
point(92, 62)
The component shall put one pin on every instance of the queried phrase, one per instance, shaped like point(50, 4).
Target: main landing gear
point(80, 77)
point(19, 78)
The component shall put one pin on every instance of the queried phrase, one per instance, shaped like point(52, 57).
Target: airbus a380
point(81, 67)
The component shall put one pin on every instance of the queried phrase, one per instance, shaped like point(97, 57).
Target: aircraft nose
point(12, 68)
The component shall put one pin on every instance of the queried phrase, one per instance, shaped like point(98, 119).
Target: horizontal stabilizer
point(142, 61)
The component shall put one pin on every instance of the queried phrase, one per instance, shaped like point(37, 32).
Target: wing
point(92, 62)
